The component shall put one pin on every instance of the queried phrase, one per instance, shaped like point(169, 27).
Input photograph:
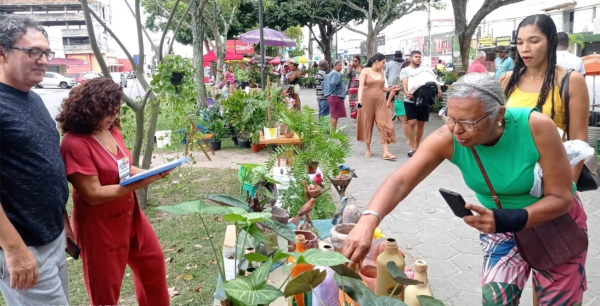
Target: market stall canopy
point(275, 61)
point(212, 57)
point(271, 38)
point(591, 63)
point(299, 60)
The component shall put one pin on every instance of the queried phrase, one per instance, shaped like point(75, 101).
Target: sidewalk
point(427, 229)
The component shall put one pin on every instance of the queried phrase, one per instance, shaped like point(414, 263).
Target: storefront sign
point(239, 47)
point(486, 42)
point(503, 41)
point(81, 57)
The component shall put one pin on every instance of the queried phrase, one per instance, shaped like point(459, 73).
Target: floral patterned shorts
point(505, 273)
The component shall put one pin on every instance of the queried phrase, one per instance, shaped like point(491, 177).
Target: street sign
point(503, 41)
point(486, 42)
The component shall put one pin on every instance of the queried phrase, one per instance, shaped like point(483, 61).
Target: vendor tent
point(212, 57)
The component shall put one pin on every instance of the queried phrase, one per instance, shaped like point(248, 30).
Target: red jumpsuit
point(113, 234)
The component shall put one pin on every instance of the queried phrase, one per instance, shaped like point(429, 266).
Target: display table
point(294, 141)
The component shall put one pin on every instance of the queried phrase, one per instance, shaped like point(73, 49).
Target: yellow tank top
point(529, 99)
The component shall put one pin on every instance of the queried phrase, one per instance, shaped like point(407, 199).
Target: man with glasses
point(33, 182)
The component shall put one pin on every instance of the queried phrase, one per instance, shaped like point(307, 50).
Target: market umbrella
point(591, 64)
point(275, 61)
point(299, 60)
point(271, 38)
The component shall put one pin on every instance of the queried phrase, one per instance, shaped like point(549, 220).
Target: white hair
point(480, 54)
point(481, 87)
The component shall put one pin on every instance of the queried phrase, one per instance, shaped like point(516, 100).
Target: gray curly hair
point(14, 27)
point(481, 87)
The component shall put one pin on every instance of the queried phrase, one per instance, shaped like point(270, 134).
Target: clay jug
point(411, 292)
point(385, 282)
point(338, 234)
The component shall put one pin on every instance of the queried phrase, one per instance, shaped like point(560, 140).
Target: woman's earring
point(499, 123)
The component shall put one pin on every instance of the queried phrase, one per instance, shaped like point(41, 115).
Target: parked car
point(449, 67)
point(81, 77)
point(54, 79)
point(131, 75)
point(119, 78)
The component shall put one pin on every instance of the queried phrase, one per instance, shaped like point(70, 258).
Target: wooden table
point(294, 141)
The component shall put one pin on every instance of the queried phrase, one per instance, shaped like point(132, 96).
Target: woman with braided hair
point(536, 81)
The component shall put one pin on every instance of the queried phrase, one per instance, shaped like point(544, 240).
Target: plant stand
point(202, 142)
point(340, 185)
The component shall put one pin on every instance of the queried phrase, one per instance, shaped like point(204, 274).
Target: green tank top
point(509, 163)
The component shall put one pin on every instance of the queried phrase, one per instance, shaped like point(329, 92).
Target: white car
point(54, 79)
point(119, 78)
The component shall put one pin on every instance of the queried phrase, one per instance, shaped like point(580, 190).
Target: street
point(53, 97)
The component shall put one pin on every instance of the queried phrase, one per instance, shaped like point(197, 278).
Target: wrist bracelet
point(374, 213)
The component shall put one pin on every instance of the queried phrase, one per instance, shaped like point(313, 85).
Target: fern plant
point(320, 144)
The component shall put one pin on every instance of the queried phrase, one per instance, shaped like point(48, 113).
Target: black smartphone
point(456, 203)
point(73, 249)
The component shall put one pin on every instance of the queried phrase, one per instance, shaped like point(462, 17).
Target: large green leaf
point(226, 200)
point(234, 217)
point(254, 217)
point(317, 257)
point(252, 289)
point(223, 210)
point(281, 229)
point(399, 275)
point(281, 255)
point(428, 301)
point(256, 257)
point(354, 288)
point(184, 208)
point(257, 234)
point(388, 301)
point(305, 282)
point(368, 298)
point(343, 270)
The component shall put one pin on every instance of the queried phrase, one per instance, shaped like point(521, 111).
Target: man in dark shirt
point(33, 183)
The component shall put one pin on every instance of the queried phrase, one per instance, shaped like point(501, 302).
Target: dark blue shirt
point(33, 180)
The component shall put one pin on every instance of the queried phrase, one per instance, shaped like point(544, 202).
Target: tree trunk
point(325, 29)
point(198, 43)
point(370, 45)
point(310, 43)
point(139, 136)
point(464, 41)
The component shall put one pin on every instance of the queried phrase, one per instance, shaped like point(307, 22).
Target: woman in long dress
point(354, 78)
point(373, 107)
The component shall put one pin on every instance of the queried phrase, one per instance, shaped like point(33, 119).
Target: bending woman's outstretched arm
point(436, 147)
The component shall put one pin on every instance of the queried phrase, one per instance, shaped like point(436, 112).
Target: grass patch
point(182, 238)
point(226, 145)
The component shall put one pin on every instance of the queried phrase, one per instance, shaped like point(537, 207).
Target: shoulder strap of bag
point(564, 95)
point(487, 179)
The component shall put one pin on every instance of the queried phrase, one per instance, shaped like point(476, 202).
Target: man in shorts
point(416, 116)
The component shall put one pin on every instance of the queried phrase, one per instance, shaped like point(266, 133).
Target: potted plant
point(255, 146)
point(244, 139)
point(219, 131)
point(242, 76)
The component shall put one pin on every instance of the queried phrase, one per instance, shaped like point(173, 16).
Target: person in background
point(230, 79)
point(108, 223)
point(33, 183)
point(292, 79)
point(503, 63)
point(225, 91)
point(536, 80)
point(392, 74)
point(315, 65)
point(374, 108)
point(477, 64)
point(353, 81)
point(319, 78)
point(565, 58)
point(477, 119)
point(440, 68)
point(335, 91)
point(416, 116)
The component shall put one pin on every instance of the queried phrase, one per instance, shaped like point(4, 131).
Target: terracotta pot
point(289, 134)
point(312, 241)
point(255, 148)
point(279, 214)
point(312, 168)
point(338, 234)
point(282, 128)
point(369, 276)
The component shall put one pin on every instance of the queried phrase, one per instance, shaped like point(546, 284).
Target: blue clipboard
point(156, 170)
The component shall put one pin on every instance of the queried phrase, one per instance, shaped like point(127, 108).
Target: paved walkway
point(427, 229)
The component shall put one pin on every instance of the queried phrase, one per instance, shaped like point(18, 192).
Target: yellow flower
point(378, 234)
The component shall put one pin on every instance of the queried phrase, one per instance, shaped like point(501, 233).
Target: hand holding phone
point(73, 249)
point(456, 203)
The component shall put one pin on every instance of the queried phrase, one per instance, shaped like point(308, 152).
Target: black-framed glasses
point(467, 125)
point(35, 53)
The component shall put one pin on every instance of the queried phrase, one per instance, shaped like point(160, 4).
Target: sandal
point(391, 157)
point(411, 153)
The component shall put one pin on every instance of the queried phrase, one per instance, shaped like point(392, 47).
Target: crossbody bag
point(549, 245)
point(589, 178)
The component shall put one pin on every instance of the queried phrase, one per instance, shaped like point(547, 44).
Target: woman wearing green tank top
point(476, 118)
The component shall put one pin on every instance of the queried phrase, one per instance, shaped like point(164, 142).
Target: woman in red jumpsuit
point(108, 224)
